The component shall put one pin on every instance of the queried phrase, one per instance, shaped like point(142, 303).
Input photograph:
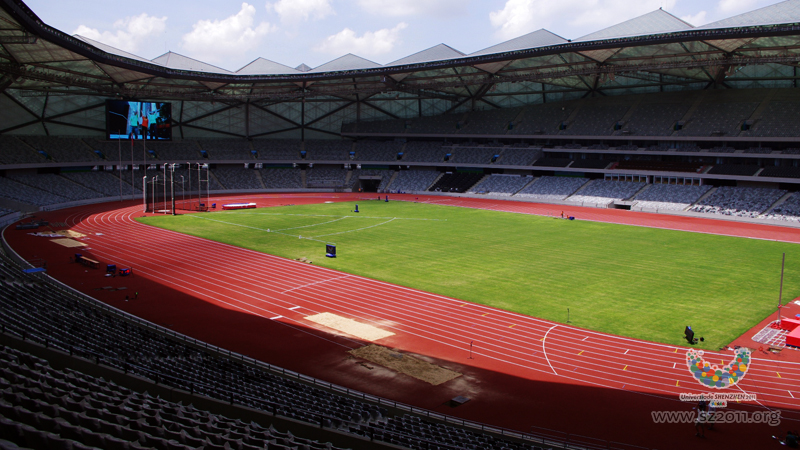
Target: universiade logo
point(713, 376)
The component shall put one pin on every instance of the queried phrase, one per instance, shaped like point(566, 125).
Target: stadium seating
point(328, 150)
point(237, 177)
point(596, 120)
point(473, 154)
point(780, 172)
point(552, 188)
point(17, 152)
point(224, 149)
point(519, 156)
point(413, 180)
point(606, 191)
point(788, 211)
point(456, 182)
point(64, 149)
point(326, 177)
point(669, 196)
point(282, 178)
point(377, 151)
point(504, 185)
point(179, 151)
point(422, 151)
point(277, 149)
point(738, 201)
point(41, 404)
point(106, 184)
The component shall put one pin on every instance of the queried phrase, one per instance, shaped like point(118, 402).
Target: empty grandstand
point(652, 114)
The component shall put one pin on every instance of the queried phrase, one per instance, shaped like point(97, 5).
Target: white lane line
point(275, 318)
point(293, 308)
point(313, 284)
point(544, 350)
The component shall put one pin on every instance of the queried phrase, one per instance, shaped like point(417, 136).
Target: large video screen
point(138, 120)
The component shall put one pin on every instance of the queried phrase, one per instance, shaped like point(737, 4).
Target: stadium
point(547, 244)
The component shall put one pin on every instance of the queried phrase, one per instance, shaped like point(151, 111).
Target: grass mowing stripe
point(632, 281)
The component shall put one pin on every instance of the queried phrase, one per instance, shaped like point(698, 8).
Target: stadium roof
point(655, 52)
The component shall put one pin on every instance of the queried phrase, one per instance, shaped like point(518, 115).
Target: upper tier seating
point(277, 149)
point(15, 151)
point(64, 149)
point(378, 151)
point(328, 150)
point(224, 149)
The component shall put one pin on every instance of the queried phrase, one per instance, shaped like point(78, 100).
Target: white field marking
point(674, 364)
point(587, 337)
point(312, 225)
point(275, 318)
point(255, 228)
point(312, 284)
point(300, 236)
point(293, 308)
point(357, 229)
point(790, 393)
point(344, 217)
point(626, 351)
point(544, 350)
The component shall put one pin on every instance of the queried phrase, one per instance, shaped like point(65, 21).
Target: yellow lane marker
point(625, 368)
point(484, 315)
point(676, 350)
point(677, 383)
point(779, 375)
point(581, 352)
point(463, 304)
point(511, 326)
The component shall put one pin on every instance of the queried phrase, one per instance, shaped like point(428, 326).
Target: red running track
point(525, 371)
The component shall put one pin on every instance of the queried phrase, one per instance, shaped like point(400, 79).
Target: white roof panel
point(538, 38)
point(346, 62)
point(783, 12)
point(180, 62)
point(436, 53)
point(263, 66)
point(110, 49)
point(656, 22)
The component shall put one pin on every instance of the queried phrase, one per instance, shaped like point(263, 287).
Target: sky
point(230, 34)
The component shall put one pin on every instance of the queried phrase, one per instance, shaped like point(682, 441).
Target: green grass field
point(631, 281)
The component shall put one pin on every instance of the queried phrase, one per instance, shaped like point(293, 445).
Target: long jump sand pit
point(350, 326)
point(404, 363)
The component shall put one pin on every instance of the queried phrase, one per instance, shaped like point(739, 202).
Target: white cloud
point(415, 7)
point(293, 11)
point(130, 32)
point(216, 40)
point(371, 43)
point(733, 7)
point(697, 19)
point(519, 17)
